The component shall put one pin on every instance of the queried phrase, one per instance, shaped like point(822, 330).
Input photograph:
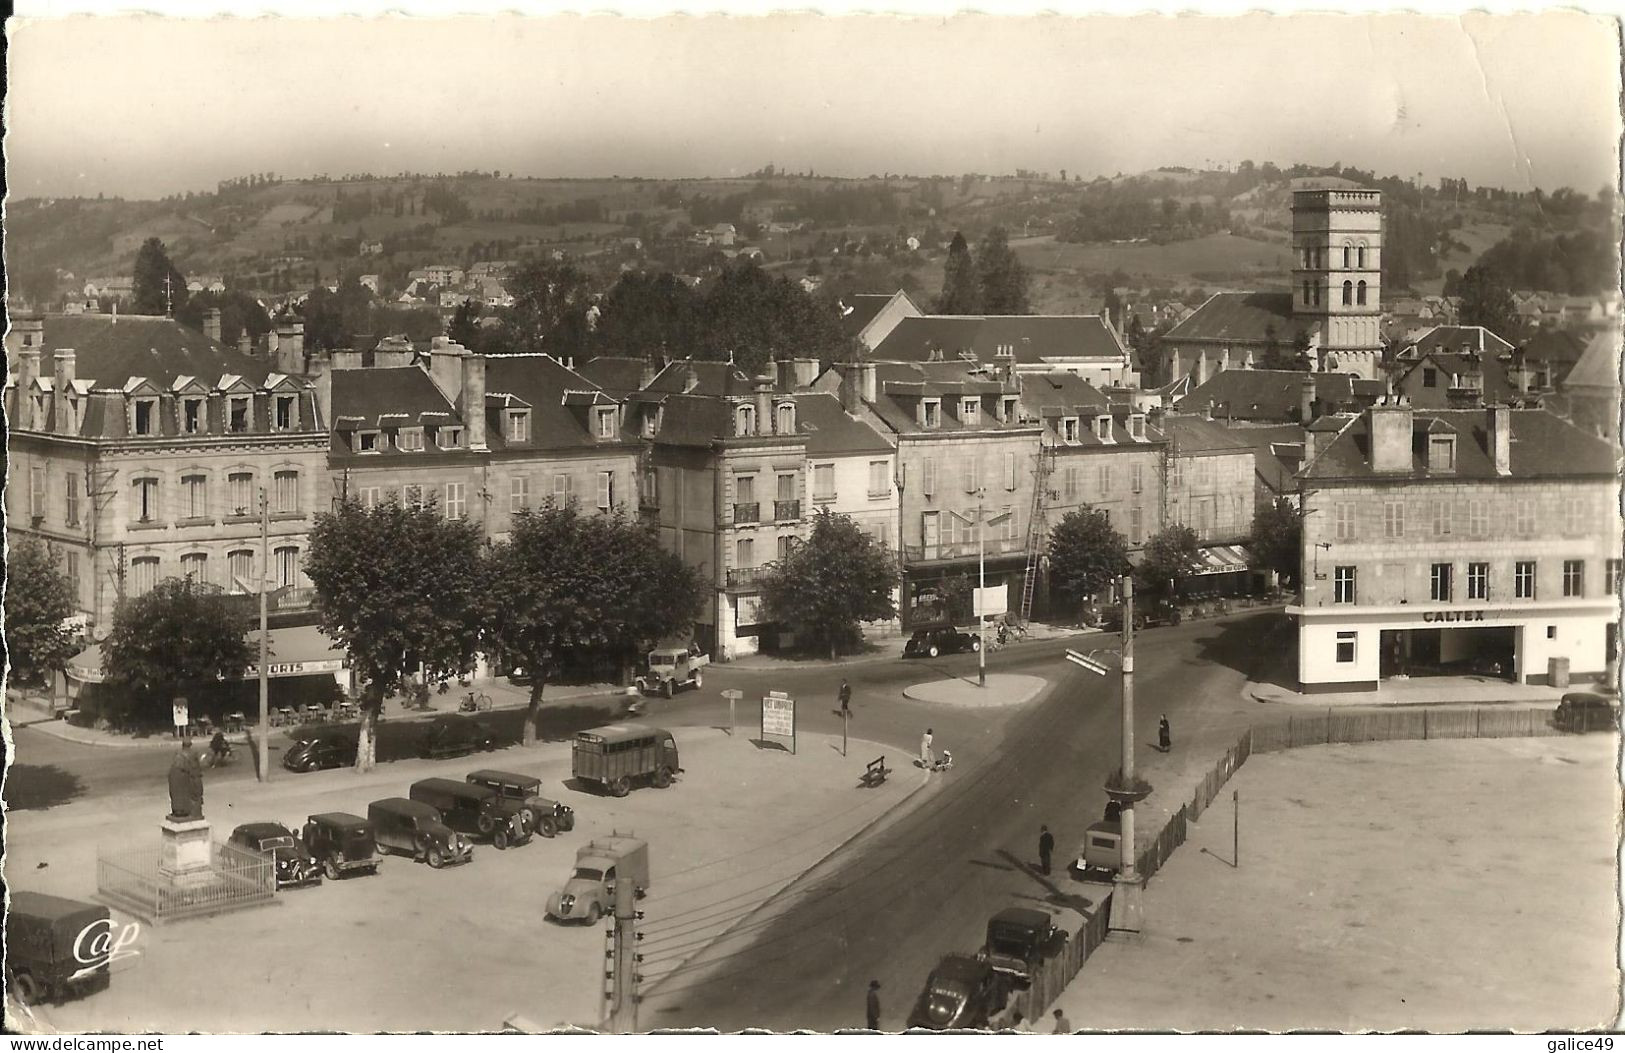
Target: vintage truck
point(600, 863)
point(56, 947)
point(671, 668)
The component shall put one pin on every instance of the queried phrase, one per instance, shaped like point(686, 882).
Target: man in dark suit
point(1046, 847)
point(874, 1005)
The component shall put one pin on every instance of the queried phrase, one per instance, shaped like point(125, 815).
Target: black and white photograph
point(521, 521)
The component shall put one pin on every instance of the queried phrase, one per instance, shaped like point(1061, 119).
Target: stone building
point(1481, 541)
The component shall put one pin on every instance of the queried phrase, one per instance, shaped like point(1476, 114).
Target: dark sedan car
point(1586, 711)
point(294, 863)
point(929, 643)
point(961, 992)
point(315, 750)
point(457, 737)
point(1146, 615)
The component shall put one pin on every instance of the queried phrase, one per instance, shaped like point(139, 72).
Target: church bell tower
point(1337, 275)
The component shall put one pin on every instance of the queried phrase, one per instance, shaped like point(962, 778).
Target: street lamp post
point(1126, 896)
point(265, 641)
point(980, 605)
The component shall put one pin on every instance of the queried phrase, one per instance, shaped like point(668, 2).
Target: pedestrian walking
point(928, 759)
point(874, 1005)
point(1165, 735)
point(846, 699)
point(1063, 1026)
point(1046, 846)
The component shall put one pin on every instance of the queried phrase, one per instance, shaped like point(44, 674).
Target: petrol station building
point(1456, 542)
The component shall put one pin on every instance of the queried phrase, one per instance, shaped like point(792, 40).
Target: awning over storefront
point(1223, 559)
point(300, 650)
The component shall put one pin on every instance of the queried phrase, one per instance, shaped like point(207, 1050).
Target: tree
point(151, 295)
point(1271, 355)
point(1300, 351)
point(39, 598)
point(402, 589)
point(583, 585)
point(960, 291)
point(464, 327)
point(757, 318)
point(1169, 556)
point(1085, 554)
point(649, 315)
point(1277, 540)
point(181, 634)
point(1487, 302)
point(549, 313)
point(1003, 280)
point(825, 586)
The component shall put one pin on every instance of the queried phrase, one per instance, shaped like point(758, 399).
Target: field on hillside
point(1477, 237)
point(1212, 259)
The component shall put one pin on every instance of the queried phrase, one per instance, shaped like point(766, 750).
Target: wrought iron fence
point(132, 878)
point(784, 511)
point(747, 512)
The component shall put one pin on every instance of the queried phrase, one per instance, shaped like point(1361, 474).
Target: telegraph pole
point(1126, 896)
point(265, 641)
point(981, 589)
point(623, 1006)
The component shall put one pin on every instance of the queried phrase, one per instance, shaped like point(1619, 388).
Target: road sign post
point(733, 696)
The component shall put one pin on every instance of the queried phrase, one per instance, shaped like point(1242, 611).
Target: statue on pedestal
point(186, 783)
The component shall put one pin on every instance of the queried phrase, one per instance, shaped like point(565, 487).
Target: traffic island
point(1003, 689)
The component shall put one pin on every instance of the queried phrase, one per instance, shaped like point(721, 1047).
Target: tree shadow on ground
point(40, 786)
point(1259, 646)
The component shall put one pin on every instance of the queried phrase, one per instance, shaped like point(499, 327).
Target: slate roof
point(1598, 366)
point(619, 374)
point(1193, 436)
point(1454, 338)
point(833, 432)
point(1032, 338)
point(1491, 371)
point(561, 402)
point(1266, 394)
point(110, 350)
point(715, 378)
point(863, 309)
point(1554, 345)
point(1051, 397)
point(1543, 444)
point(1241, 317)
point(900, 386)
point(362, 398)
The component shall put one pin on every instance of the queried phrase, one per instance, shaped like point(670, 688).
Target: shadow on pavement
point(1259, 646)
point(40, 786)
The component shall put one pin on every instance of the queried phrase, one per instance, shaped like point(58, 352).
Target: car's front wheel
point(434, 857)
point(593, 914)
point(934, 651)
point(662, 777)
point(621, 787)
point(547, 826)
point(500, 839)
point(330, 869)
point(975, 645)
point(25, 988)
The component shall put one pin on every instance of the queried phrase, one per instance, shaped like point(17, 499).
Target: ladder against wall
point(1037, 526)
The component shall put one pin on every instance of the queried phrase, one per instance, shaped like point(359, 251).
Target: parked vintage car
point(471, 809)
point(415, 829)
point(616, 756)
point(456, 737)
point(295, 865)
point(342, 843)
point(1586, 711)
point(315, 749)
point(600, 863)
point(1146, 615)
point(929, 643)
point(671, 668)
point(51, 947)
point(1018, 941)
point(546, 816)
point(963, 991)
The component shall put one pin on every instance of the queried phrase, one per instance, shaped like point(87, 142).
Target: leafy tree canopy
point(1169, 556)
point(1003, 280)
point(182, 633)
point(1486, 301)
point(1277, 540)
point(152, 266)
point(961, 293)
point(39, 597)
point(825, 586)
point(1085, 554)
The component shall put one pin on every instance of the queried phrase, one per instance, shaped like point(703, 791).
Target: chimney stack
point(1390, 422)
point(764, 405)
point(1499, 429)
point(62, 391)
point(471, 400)
point(807, 370)
point(393, 352)
point(320, 371)
point(445, 365)
point(27, 371)
point(345, 358)
point(1306, 399)
point(245, 343)
point(691, 377)
point(290, 348)
point(650, 372)
point(211, 324)
point(866, 381)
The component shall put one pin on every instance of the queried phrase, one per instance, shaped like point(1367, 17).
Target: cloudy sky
point(149, 106)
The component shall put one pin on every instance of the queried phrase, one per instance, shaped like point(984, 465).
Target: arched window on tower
point(1348, 256)
point(1360, 256)
point(1317, 288)
point(1360, 294)
point(1306, 294)
point(1348, 293)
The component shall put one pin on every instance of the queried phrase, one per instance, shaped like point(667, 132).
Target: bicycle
point(475, 702)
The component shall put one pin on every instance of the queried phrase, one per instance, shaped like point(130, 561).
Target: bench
point(875, 772)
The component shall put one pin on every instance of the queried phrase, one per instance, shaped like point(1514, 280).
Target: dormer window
point(970, 411)
point(39, 411)
point(1069, 429)
point(1136, 427)
point(146, 416)
point(449, 438)
point(239, 406)
point(516, 425)
point(606, 422)
point(651, 421)
point(366, 442)
point(745, 420)
point(931, 413)
point(1007, 408)
point(1441, 453)
point(287, 412)
point(409, 440)
point(1103, 427)
point(194, 415)
point(787, 418)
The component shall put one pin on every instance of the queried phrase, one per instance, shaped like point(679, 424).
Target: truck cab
point(670, 668)
point(1018, 941)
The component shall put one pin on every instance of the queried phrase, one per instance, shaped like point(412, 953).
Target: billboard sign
point(779, 719)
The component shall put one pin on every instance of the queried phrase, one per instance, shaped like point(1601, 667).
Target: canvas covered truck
point(671, 668)
point(56, 947)
point(589, 894)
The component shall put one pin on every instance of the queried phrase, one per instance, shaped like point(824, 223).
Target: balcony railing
point(747, 512)
point(786, 511)
point(996, 546)
point(744, 575)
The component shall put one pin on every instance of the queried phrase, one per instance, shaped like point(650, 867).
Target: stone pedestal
point(186, 852)
point(1125, 918)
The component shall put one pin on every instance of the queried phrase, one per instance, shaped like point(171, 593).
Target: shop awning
point(300, 650)
point(1223, 559)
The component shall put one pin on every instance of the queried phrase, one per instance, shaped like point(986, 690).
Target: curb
point(756, 663)
point(925, 780)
